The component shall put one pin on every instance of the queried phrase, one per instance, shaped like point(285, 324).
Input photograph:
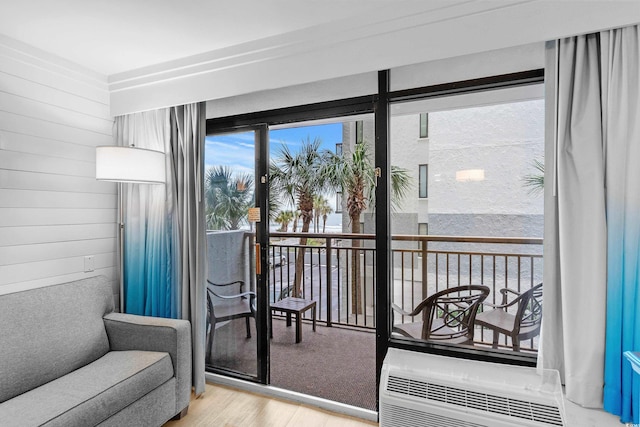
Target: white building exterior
point(476, 160)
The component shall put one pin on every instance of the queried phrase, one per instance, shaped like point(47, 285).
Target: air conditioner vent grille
point(400, 416)
point(547, 414)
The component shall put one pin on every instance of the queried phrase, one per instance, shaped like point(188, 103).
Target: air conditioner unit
point(424, 390)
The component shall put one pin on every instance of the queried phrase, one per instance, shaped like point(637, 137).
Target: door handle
point(258, 263)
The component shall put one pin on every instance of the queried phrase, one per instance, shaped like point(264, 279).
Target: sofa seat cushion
point(91, 394)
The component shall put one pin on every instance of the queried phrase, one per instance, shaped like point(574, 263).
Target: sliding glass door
point(237, 233)
point(315, 227)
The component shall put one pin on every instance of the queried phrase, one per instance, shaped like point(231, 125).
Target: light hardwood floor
point(228, 407)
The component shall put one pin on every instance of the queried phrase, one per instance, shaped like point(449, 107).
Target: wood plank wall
point(53, 213)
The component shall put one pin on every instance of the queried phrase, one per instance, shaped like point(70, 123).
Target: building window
point(359, 132)
point(423, 228)
point(339, 148)
point(423, 181)
point(424, 125)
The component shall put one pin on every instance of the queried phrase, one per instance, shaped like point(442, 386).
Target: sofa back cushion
point(48, 332)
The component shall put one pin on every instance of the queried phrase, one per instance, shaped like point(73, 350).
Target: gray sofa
point(66, 359)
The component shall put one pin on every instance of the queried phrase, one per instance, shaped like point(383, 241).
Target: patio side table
point(295, 306)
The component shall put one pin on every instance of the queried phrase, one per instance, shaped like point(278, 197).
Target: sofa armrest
point(173, 336)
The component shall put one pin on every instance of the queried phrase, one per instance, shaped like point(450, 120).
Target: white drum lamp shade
point(130, 164)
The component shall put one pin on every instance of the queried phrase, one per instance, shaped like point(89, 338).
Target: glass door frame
point(260, 122)
point(260, 251)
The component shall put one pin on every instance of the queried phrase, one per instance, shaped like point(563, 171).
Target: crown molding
point(418, 34)
point(314, 39)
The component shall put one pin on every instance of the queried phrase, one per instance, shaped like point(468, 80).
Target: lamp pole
point(121, 236)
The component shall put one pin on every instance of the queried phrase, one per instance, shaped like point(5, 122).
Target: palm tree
point(355, 176)
point(321, 208)
point(535, 181)
point(300, 177)
point(284, 218)
point(228, 198)
point(325, 211)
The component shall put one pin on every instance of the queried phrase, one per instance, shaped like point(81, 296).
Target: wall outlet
point(88, 263)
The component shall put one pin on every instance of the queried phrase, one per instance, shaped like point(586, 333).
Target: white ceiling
point(114, 36)
point(155, 53)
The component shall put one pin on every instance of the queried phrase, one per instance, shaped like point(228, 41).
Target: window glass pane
point(322, 254)
point(359, 131)
point(424, 125)
point(423, 178)
point(339, 201)
point(229, 189)
point(477, 170)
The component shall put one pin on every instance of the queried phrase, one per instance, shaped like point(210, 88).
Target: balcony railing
point(422, 265)
point(328, 274)
point(441, 262)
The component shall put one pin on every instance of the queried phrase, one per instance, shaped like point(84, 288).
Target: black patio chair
point(227, 301)
point(447, 316)
point(522, 325)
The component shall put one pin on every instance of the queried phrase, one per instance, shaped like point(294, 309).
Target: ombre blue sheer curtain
point(151, 271)
point(592, 310)
point(620, 68)
point(164, 227)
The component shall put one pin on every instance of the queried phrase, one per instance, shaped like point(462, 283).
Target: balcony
point(422, 265)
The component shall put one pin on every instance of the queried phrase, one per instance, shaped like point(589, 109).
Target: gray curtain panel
point(187, 164)
point(575, 277)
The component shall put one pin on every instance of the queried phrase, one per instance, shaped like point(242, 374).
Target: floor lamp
point(128, 165)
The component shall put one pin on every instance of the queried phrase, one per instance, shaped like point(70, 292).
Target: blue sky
point(238, 150)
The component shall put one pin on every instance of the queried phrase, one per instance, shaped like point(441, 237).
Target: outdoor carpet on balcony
point(334, 363)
